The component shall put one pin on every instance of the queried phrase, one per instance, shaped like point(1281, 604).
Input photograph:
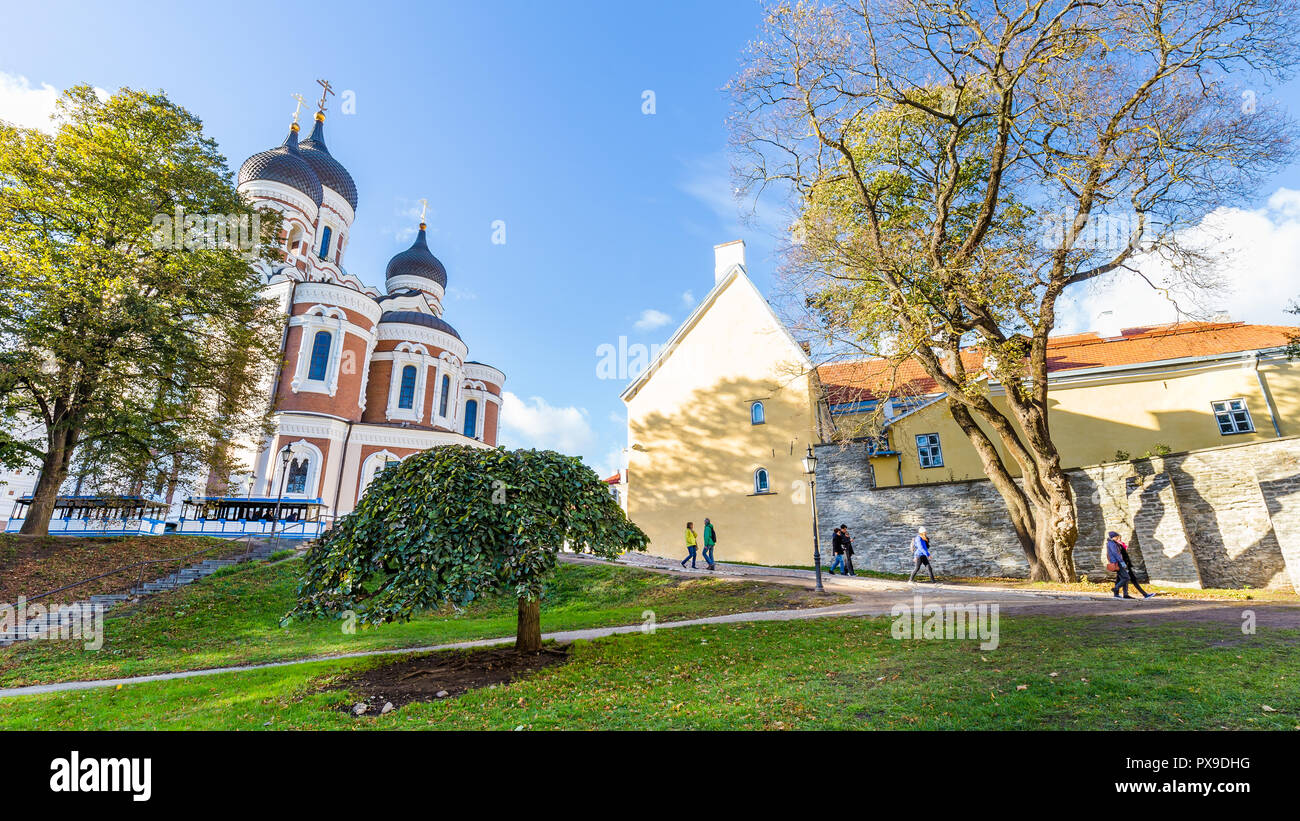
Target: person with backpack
point(710, 539)
point(1116, 564)
point(921, 554)
point(837, 547)
point(847, 541)
point(691, 541)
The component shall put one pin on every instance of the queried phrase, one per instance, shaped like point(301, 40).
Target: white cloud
point(24, 105)
point(688, 299)
point(535, 423)
point(29, 106)
point(651, 319)
point(1259, 270)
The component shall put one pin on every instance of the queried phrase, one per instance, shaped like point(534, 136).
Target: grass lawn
point(845, 673)
point(234, 618)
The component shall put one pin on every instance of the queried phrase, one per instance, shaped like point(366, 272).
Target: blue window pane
point(406, 399)
point(446, 395)
point(756, 416)
point(325, 243)
point(297, 479)
point(320, 356)
point(760, 481)
point(471, 418)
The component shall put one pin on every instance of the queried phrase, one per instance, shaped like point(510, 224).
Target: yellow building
point(1136, 392)
point(718, 425)
point(719, 422)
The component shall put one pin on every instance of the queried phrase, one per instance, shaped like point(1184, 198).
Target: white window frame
point(370, 468)
point(929, 451)
point(762, 413)
point(767, 488)
point(1229, 410)
point(408, 353)
point(319, 318)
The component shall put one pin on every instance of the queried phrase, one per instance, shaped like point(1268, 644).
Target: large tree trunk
point(528, 634)
point(54, 471)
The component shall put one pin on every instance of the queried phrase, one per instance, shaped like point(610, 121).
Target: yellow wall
point(1092, 419)
point(692, 450)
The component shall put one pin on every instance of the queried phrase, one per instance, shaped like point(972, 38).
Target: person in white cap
point(921, 554)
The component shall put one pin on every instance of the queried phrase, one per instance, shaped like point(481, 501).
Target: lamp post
point(286, 453)
point(810, 468)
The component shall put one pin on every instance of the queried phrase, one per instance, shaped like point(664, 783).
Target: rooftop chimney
point(1107, 327)
point(725, 256)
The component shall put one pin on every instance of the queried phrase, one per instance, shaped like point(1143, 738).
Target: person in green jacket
point(710, 539)
point(691, 542)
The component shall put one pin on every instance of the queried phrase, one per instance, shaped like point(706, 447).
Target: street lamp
point(810, 468)
point(286, 454)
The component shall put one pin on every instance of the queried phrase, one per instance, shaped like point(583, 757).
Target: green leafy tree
point(955, 167)
point(132, 330)
point(457, 523)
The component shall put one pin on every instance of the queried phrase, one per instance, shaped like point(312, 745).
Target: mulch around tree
point(442, 675)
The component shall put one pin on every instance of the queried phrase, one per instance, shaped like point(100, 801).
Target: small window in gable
point(761, 484)
point(756, 414)
point(406, 397)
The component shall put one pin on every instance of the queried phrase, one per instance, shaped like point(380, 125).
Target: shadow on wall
point(1200, 518)
point(697, 457)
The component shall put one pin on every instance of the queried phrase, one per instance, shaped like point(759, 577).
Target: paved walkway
point(870, 597)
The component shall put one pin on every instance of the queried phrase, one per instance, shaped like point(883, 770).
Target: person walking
point(921, 554)
point(691, 541)
point(1115, 563)
point(710, 539)
point(837, 547)
point(1123, 551)
point(847, 541)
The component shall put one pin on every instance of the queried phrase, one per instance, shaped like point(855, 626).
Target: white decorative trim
point(279, 195)
point(407, 354)
point(316, 427)
point(405, 331)
point(315, 469)
point(418, 283)
point(412, 438)
point(333, 293)
point(485, 373)
point(370, 468)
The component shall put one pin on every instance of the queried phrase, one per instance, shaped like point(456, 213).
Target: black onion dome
point(331, 172)
point(417, 318)
point(283, 164)
point(417, 261)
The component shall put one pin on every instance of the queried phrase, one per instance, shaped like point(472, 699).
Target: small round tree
point(456, 523)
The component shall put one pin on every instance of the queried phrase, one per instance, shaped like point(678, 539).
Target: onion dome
point(284, 164)
point(331, 172)
point(417, 318)
point(417, 261)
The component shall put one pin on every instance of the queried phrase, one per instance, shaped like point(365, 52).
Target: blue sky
point(530, 113)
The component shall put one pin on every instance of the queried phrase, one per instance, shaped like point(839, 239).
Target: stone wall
point(1221, 517)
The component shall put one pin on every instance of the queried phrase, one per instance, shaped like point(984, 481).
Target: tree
point(132, 329)
point(456, 523)
point(954, 166)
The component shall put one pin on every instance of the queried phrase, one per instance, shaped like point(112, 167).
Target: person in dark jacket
point(1123, 551)
point(1115, 556)
point(921, 554)
point(837, 547)
point(710, 539)
point(847, 541)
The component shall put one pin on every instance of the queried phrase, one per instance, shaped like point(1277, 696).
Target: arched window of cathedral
point(446, 395)
point(761, 484)
point(297, 478)
point(471, 418)
point(295, 238)
point(325, 235)
point(320, 356)
point(756, 415)
point(406, 398)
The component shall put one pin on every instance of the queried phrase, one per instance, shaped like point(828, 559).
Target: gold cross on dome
point(424, 208)
point(301, 103)
point(326, 90)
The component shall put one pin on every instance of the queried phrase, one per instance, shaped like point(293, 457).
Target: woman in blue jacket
point(1115, 556)
point(921, 554)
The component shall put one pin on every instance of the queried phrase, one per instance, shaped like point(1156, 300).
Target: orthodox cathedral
point(367, 377)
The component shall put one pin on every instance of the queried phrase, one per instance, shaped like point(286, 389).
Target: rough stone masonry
point(1221, 517)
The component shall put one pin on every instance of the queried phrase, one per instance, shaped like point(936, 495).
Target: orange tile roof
point(868, 379)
